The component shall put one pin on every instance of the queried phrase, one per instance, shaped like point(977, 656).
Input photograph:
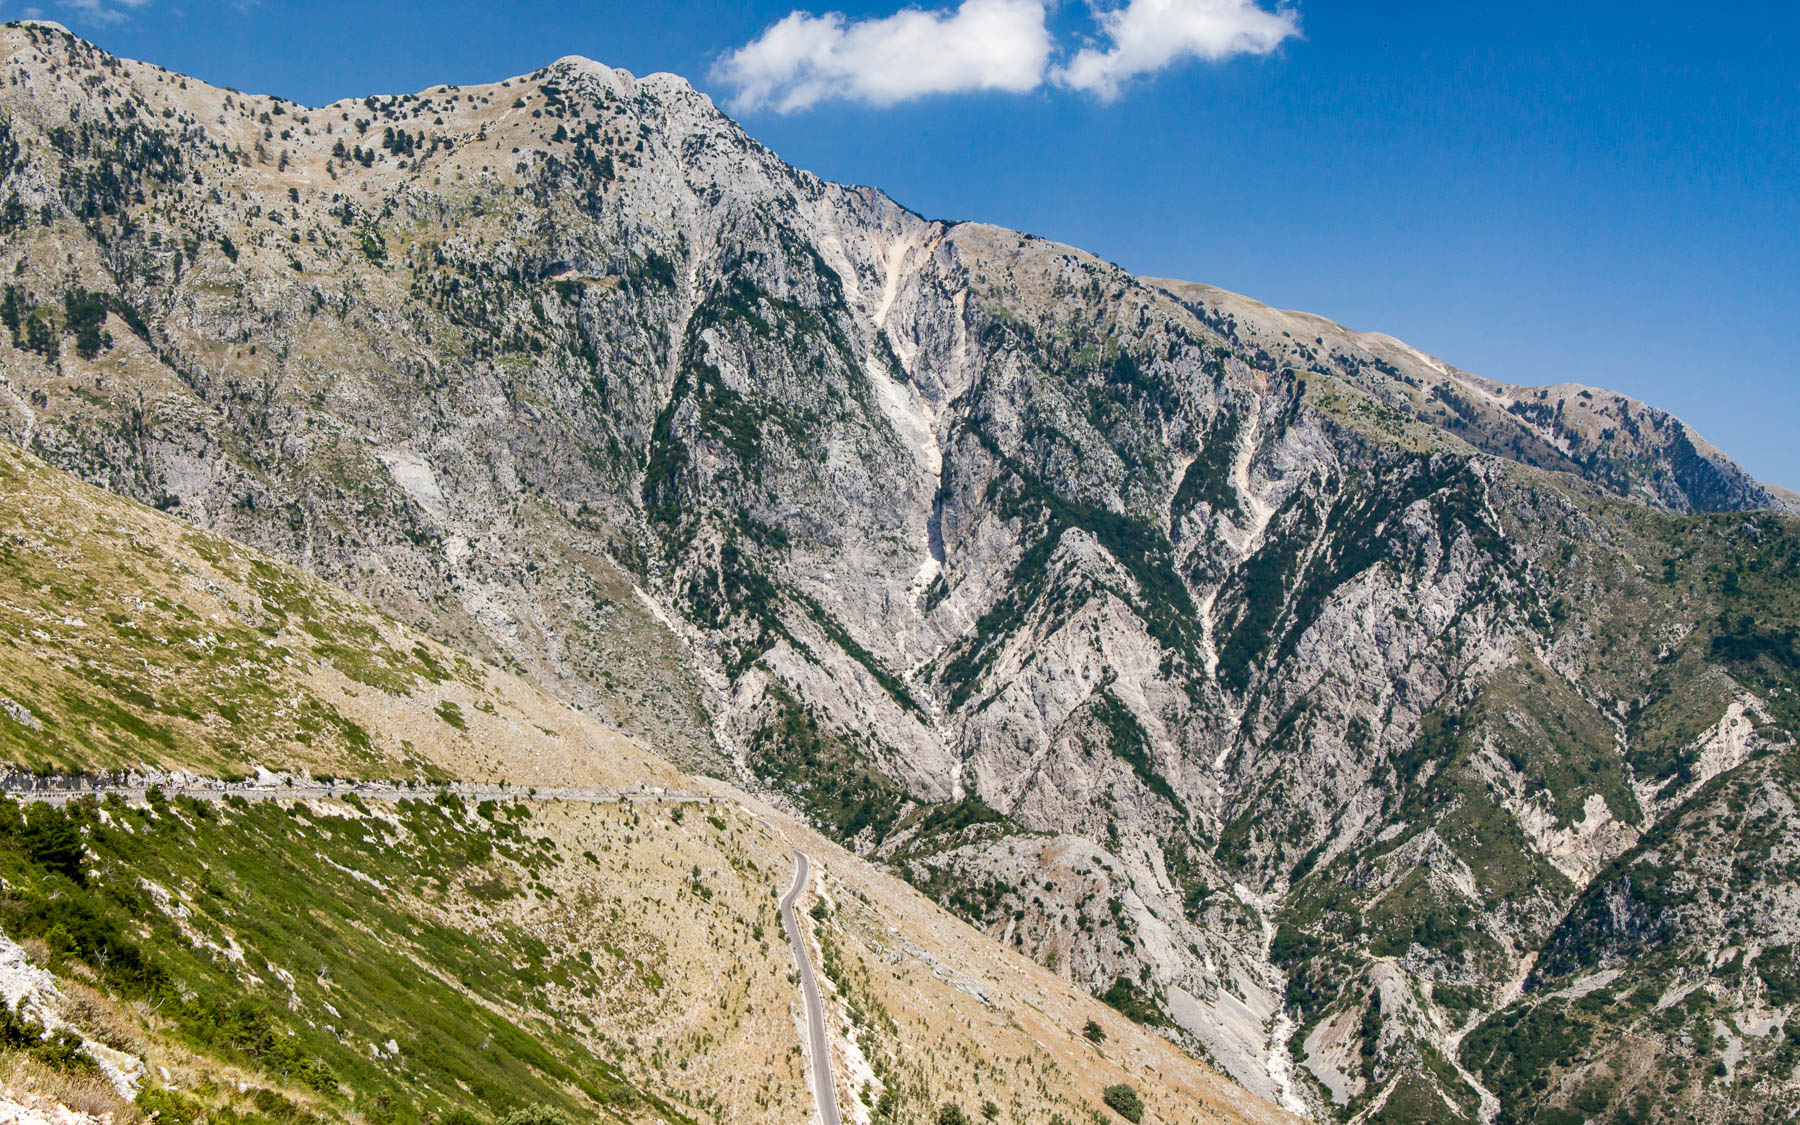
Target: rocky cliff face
point(1283, 685)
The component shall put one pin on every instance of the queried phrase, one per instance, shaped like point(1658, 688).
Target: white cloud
point(805, 59)
point(102, 11)
point(1145, 36)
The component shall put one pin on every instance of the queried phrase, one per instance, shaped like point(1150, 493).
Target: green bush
point(167, 1107)
point(535, 1114)
point(1124, 1101)
point(61, 1049)
point(949, 1114)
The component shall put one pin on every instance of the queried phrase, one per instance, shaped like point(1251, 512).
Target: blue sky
point(1600, 192)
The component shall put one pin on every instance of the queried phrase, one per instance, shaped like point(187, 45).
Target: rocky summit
point(1407, 745)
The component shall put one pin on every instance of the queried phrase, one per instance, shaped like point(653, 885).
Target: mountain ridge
point(1538, 410)
point(1328, 698)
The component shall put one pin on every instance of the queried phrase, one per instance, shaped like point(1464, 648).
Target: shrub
point(61, 1050)
point(167, 1107)
point(1124, 1101)
point(15, 1033)
point(949, 1114)
point(1093, 1032)
point(535, 1114)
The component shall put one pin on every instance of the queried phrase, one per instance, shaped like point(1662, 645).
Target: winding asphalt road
point(824, 1087)
point(217, 791)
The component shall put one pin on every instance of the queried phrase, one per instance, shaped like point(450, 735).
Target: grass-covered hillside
point(128, 638)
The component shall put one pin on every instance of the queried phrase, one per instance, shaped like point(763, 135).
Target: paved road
point(368, 791)
point(824, 1087)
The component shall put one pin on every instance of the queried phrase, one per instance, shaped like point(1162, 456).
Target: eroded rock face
point(1282, 684)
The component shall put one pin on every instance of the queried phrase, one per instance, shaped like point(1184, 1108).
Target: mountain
point(398, 948)
point(1313, 702)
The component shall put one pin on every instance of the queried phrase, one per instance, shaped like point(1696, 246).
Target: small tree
point(1125, 1102)
point(949, 1114)
point(1093, 1032)
point(535, 1114)
point(53, 839)
point(990, 1111)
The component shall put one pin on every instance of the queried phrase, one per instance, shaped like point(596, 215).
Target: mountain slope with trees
point(1280, 684)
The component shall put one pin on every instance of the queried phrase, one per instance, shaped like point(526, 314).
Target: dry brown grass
point(83, 1091)
point(724, 1017)
point(99, 1017)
